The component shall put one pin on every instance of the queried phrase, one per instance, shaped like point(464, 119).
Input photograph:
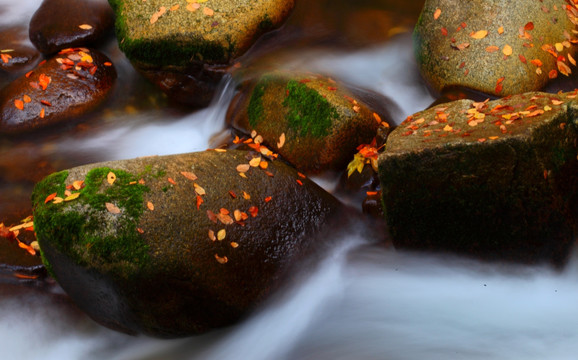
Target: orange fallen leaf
point(281, 141)
point(501, 30)
point(507, 50)
point(111, 178)
point(85, 26)
point(49, 198)
point(189, 175)
point(437, 14)
point(26, 99)
point(150, 206)
point(243, 168)
point(113, 209)
point(221, 260)
point(563, 68)
point(208, 11)
point(553, 74)
point(19, 104)
point(480, 34)
point(492, 49)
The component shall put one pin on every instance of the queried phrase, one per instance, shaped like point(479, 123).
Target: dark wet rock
point(17, 55)
point(177, 245)
point(497, 47)
point(314, 122)
point(68, 85)
point(187, 48)
point(60, 24)
point(496, 179)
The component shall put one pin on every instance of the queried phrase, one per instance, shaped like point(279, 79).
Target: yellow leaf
point(356, 164)
point(111, 178)
point(507, 50)
point(72, 197)
point(221, 234)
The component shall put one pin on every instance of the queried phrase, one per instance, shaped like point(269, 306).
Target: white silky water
point(362, 300)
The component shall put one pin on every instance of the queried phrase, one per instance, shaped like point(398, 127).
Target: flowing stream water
point(362, 300)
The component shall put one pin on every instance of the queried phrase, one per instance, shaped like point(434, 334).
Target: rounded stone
point(495, 46)
point(312, 121)
point(60, 89)
point(60, 24)
point(180, 244)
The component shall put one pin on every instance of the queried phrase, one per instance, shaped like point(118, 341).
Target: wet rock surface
point(186, 48)
point(176, 245)
point(60, 24)
point(497, 47)
point(313, 121)
point(17, 55)
point(68, 85)
point(492, 179)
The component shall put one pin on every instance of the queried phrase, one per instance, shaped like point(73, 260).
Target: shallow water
point(363, 300)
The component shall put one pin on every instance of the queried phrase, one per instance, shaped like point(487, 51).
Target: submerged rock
point(493, 179)
point(177, 245)
point(60, 89)
point(60, 24)
point(187, 48)
point(17, 55)
point(494, 46)
point(314, 122)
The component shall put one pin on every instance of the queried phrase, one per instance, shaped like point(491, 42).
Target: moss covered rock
point(314, 122)
point(186, 47)
point(61, 89)
point(176, 245)
point(494, 46)
point(494, 179)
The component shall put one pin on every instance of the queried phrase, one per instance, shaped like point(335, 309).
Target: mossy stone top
point(313, 121)
point(495, 179)
point(161, 33)
point(176, 245)
point(495, 46)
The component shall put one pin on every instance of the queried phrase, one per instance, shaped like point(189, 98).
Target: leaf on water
point(113, 209)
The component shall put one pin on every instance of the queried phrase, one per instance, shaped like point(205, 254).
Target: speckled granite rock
point(495, 46)
point(186, 48)
point(180, 244)
point(493, 179)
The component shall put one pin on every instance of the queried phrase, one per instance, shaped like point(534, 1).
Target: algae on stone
point(321, 121)
point(494, 179)
point(180, 244)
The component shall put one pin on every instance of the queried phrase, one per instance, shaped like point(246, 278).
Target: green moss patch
point(85, 230)
point(308, 112)
point(255, 110)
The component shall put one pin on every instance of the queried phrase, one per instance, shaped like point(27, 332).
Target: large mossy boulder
point(186, 48)
point(177, 245)
point(494, 46)
point(311, 120)
point(492, 179)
